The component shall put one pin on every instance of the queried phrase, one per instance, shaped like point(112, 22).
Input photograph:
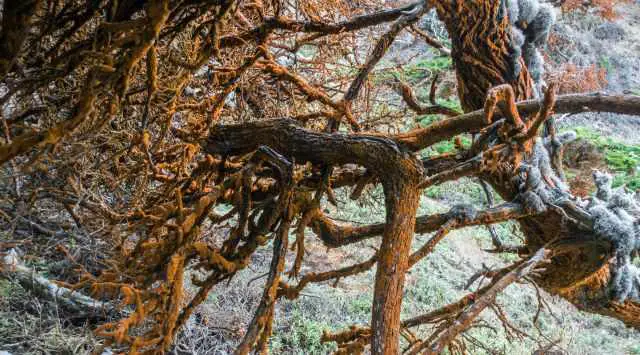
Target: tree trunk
point(481, 48)
point(402, 198)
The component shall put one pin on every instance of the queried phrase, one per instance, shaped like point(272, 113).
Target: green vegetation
point(623, 159)
point(7, 290)
point(301, 332)
point(450, 146)
point(416, 70)
point(605, 63)
point(360, 305)
point(452, 103)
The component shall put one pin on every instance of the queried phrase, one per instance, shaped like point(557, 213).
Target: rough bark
point(480, 40)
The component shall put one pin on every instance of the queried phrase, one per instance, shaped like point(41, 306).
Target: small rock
point(609, 31)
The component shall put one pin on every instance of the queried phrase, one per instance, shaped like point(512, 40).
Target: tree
point(139, 117)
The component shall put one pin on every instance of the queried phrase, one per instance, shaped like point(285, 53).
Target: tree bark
point(402, 197)
point(400, 173)
point(480, 40)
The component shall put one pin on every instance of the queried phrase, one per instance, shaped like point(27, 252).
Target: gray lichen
point(615, 214)
point(531, 23)
point(538, 184)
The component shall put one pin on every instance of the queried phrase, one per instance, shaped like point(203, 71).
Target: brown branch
point(16, 18)
point(334, 235)
point(474, 121)
point(503, 97)
point(469, 167)
point(409, 98)
point(357, 23)
point(543, 115)
point(399, 171)
point(465, 319)
point(264, 314)
point(292, 292)
point(428, 247)
point(381, 48)
point(431, 41)
point(361, 336)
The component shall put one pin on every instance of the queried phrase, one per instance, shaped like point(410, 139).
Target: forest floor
point(31, 325)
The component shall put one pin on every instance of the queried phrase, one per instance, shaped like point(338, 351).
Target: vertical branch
point(402, 198)
point(380, 49)
point(264, 313)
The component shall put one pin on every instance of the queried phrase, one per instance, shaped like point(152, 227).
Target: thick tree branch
point(334, 235)
point(12, 267)
point(475, 121)
point(399, 172)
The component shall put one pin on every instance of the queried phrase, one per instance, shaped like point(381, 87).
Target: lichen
point(615, 214)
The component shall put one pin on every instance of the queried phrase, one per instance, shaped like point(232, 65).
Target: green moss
point(623, 159)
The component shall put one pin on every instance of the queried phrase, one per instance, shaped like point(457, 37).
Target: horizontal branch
point(334, 235)
point(280, 23)
point(380, 154)
point(474, 121)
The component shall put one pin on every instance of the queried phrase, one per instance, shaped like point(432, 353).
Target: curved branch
point(410, 99)
point(399, 171)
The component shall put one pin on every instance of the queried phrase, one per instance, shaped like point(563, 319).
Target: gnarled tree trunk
point(481, 40)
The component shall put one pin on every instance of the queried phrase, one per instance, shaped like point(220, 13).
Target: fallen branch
point(12, 267)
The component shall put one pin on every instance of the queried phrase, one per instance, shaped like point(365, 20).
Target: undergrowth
point(623, 159)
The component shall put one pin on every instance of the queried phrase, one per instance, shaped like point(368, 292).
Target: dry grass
point(29, 325)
